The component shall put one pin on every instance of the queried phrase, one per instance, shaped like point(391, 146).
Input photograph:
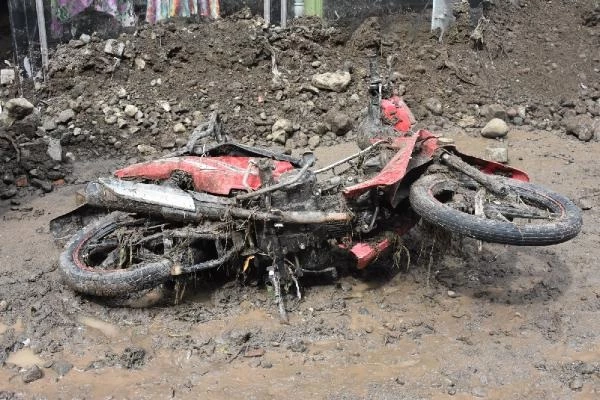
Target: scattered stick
point(14, 145)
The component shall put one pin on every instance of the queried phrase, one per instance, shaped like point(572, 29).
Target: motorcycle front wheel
point(530, 215)
point(121, 254)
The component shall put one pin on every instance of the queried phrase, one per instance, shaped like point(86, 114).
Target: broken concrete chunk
point(65, 116)
point(131, 110)
point(334, 81)
point(114, 48)
point(280, 130)
point(54, 149)
point(7, 76)
point(497, 154)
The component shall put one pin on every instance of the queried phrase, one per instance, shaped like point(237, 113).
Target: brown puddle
point(24, 358)
point(107, 329)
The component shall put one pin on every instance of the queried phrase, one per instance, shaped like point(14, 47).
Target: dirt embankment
point(141, 94)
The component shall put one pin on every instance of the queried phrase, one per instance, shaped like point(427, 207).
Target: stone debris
point(495, 128)
point(333, 81)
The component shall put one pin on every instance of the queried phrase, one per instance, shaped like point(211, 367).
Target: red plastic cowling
point(396, 113)
point(215, 175)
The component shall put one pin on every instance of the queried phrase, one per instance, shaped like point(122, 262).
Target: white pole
point(298, 8)
point(39, 8)
point(283, 13)
point(267, 12)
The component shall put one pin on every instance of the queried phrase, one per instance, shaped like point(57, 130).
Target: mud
point(501, 323)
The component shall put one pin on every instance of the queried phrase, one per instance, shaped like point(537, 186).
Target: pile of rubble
point(141, 94)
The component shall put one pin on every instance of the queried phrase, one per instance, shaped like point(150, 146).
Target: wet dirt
point(505, 322)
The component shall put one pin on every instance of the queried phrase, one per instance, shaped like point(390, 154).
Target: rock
point(3, 305)
point(314, 141)
point(62, 367)
point(576, 383)
point(140, 63)
point(420, 68)
point(585, 203)
point(76, 131)
point(121, 123)
point(76, 43)
point(511, 112)
point(8, 177)
point(334, 81)
point(467, 121)
point(493, 111)
point(495, 128)
point(434, 105)
point(122, 93)
point(316, 64)
point(7, 76)
point(54, 150)
point(280, 130)
point(130, 110)
point(583, 126)
point(49, 124)
point(340, 122)
point(65, 116)
point(18, 108)
point(518, 121)
point(297, 346)
point(114, 48)
point(9, 192)
point(46, 186)
point(110, 119)
point(179, 128)
point(85, 38)
point(497, 154)
point(32, 374)
point(146, 149)
point(165, 105)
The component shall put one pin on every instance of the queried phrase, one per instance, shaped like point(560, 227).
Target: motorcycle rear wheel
point(530, 215)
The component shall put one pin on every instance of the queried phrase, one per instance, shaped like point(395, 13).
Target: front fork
point(486, 180)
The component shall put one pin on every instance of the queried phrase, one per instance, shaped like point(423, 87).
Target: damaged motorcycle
point(211, 206)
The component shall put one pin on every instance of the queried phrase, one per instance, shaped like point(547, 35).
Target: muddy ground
point(503, 322)
point(506, 322)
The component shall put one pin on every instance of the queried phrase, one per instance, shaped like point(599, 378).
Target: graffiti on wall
point(64, 12)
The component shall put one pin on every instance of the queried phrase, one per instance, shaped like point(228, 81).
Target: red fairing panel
point(396, 113)
point(392, 173)
point(215, 175)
